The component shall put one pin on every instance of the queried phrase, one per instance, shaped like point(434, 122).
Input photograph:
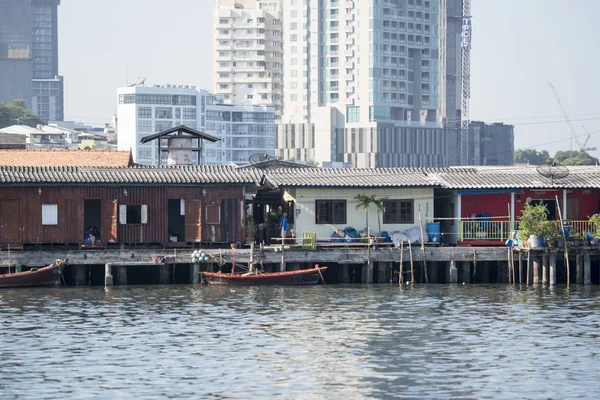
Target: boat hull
point(46, 276)
point(301, 277)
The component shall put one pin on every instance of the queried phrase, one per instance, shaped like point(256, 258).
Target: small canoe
point(46, 276)
point(300, 277)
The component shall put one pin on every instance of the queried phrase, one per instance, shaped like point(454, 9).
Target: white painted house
point(324, 199)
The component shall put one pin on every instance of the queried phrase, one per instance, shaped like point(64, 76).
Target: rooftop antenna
point(553, 170)
point(261, 162)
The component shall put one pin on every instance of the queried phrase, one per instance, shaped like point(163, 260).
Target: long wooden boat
point(46, 276)
point(300, 277)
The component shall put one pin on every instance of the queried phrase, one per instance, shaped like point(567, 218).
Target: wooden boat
point(300, 277)
point(46, 276)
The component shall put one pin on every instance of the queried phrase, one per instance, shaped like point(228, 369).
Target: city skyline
point(516, 64)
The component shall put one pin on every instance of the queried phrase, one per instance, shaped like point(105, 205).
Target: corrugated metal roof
point(135, 175)
point(585, 177)
point(349, 177)
point(521, 177)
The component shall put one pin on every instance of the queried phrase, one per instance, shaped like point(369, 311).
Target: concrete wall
point(305, 200)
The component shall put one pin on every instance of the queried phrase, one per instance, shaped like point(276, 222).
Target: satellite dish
point(553, 170)
point(528, 200)
point(260, 161)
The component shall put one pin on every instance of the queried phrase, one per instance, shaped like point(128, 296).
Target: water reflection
point(437, 341)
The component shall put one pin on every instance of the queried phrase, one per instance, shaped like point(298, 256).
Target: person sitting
point(96, 234)
point(88, 237)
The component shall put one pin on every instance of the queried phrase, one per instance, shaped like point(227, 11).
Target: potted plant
point(595, 226)
point(576, 238)
point(532, 223)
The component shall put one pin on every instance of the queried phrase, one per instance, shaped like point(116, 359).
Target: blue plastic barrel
point(434, 232)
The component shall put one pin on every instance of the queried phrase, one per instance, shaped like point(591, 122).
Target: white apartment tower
point(367, 81)
point(248, 60)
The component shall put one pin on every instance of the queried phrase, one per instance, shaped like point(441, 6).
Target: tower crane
point(571, 127)
point(466, 81)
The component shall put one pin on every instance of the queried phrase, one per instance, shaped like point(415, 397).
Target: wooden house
point(188, 204)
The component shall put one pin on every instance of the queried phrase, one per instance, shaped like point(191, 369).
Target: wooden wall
point(28, 228)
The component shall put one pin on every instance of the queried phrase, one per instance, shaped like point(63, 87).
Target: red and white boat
point(46, 276)
point(310, 276)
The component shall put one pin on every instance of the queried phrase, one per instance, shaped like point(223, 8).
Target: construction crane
point(587, 139)
point(571, 127)
point(466, 81)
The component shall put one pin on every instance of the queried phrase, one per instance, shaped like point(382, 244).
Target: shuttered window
point(49, 214)
point(133, 214)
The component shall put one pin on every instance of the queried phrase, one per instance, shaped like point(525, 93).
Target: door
point(10, 227)
point(230, 220)
point(573, 209)
point(108, 230)
point(193, 221)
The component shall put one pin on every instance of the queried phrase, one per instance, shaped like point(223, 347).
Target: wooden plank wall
point(70, 201)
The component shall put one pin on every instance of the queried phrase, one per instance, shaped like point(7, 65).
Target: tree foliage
point(531, 156)
point(572, 157)
point(15, 113)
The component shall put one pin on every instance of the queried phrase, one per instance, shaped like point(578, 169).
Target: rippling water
point(345, 342)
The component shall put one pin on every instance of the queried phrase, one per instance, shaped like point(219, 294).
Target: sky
point(518, 47)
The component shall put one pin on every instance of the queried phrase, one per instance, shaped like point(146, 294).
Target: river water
point(320, 342)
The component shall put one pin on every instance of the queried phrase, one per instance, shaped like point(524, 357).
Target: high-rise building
point(243, 129)
point(48, 86)
point(369, 79)
point(15, 51)
point(488, 144)
point(29, 56)
point(247, 59)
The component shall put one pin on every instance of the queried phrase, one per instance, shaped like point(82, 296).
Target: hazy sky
point(518, 47)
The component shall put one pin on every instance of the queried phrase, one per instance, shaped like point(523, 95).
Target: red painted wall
point(497, 204)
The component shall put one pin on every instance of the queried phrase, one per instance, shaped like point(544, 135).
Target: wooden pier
point(431, 264)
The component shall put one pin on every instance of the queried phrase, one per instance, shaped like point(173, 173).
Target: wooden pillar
point(370, 272)
point(382, 272)
point(552, 275)
point(529, 278)
point(163, 274)
point(364, 274)
point(465, 272)
point(536, 270)
point(80, 272)
point(502, 273)
point(452, 272)
point(545, 270)
point(122, 275)
point(579, 278)
point(587, 268)
point(432, 271)
point(195, 273)
point(108, 278)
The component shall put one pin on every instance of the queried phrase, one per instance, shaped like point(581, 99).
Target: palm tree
point(364, 202)
point(380, 207)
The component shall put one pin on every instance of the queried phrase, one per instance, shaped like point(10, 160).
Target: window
point(49, 214)
point(189, 113)
point(133, 214)
point(331, 211)
point(398, 212)
point(144, 112)
point(163, 113)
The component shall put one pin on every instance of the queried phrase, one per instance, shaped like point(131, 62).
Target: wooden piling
point(164, 277)
point(465, 272)
point(195, 273)
point(80, 275)
point(536, 271)
point(529, 278)
point(401, 273)
point(545, 269)
point(552, 276)
point(579, 269)
point(412, 270)
point(108, 278)
point(587, 268)
point(452, 272)
point(122, 275)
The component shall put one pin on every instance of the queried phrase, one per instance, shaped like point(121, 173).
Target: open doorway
point(92, 216)
point(550, 206)
point(176, 220)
